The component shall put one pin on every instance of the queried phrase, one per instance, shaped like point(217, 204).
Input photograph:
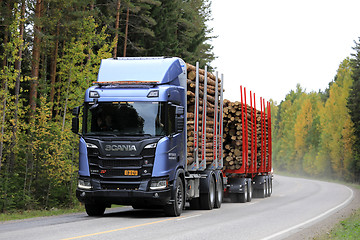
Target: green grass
point(346, 229)
point(18, 215)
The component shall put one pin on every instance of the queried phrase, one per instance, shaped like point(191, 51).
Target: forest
point(50, 51)
point(318, 133)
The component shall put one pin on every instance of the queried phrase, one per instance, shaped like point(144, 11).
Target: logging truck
point(152, 137)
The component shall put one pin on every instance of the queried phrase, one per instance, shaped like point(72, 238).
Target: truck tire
point(94, 210)
point(249, 190)
point(266, 186)
point(219, 194)
point(243, 197)
point(175, 208)
point(270, 187)
point(261, 192)
point(207, 200)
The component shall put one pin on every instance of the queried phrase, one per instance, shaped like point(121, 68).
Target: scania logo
point(121, 148)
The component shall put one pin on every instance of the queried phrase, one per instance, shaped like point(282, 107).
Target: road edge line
point(347, 201)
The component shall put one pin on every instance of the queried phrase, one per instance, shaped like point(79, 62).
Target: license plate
point(131, 173)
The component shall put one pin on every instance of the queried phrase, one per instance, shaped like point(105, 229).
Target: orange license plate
point(131, 173)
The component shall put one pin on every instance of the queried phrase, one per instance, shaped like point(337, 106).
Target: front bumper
point(124, 197)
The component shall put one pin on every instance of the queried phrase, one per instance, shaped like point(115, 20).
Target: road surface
point(294, 205)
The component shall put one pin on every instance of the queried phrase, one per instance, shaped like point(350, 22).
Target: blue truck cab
point(132, 148)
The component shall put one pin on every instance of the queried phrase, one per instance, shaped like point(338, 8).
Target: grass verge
point(18, 215)
point(346, 229)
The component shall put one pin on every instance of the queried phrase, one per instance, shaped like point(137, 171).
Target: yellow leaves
point(337, 129)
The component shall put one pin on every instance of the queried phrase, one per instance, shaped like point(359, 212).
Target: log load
point(238, 138)
point(210, 110)
point(236, 134)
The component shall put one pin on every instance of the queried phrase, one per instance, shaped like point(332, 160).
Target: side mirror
point(76, 111)
point(75, 125)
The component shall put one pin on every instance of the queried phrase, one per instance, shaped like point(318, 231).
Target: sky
point(269, 46)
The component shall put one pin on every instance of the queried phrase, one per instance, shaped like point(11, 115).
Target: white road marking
point(312, 219)
point(192, 216)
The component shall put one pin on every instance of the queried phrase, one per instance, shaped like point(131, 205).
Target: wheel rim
point(179, 196)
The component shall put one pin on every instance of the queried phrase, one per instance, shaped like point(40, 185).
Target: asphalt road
point(295, 204)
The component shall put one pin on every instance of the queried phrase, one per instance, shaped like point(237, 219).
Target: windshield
point(125, 118)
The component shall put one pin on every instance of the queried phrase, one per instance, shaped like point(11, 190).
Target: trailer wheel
point(270, 186)
point(207, 200)
point(243, 197)
point(219, 193)
point(266, 187)
point(261, 192)
point(175, 208)
point(250, 191)
point(94, 210)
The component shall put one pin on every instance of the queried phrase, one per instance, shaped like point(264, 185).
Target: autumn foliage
point(314, 133)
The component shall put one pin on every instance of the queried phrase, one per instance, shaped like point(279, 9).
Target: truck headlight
point(159, 184)
point(84, 184)
point(152, 145)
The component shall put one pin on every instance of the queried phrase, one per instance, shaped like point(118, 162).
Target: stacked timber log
point(244, 137)
point(210, 101)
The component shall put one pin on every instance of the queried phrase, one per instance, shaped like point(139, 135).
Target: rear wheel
point(270, 186)
point(261, 192)
point(94, 209)
point(250, 191)
point(244, 196)
point(207, 200)
point(175, 208)
point(219, 193)
point(266, 187)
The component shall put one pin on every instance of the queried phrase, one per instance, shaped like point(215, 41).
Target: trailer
point(152, 137)
point(253, 176)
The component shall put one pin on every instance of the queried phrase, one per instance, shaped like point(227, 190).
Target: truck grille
point(120, 186)
point(111, 170)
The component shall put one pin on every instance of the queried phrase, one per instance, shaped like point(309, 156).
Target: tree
point(354, 107)
point(35, 58)
point(337, 129)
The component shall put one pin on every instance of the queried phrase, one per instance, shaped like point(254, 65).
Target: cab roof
point(152, 70)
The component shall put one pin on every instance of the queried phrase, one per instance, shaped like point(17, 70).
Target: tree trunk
point(126, 30)
point(35, 60)
point(53, 65)
point(117, 28)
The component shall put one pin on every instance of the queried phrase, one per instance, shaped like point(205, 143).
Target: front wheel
point(175, 208)
point(95, 210)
